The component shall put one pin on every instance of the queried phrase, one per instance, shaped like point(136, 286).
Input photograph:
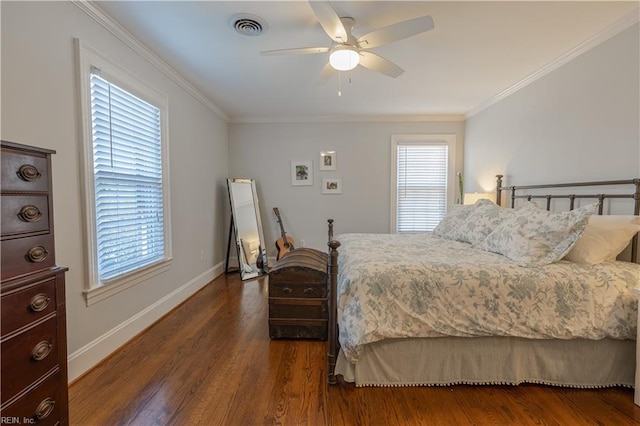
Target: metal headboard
point(572, 197)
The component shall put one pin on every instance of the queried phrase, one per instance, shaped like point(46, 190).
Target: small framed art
point(328, 160)
point(301, 173)
point(332, 186)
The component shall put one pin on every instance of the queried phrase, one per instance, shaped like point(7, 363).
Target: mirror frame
point(257, 271)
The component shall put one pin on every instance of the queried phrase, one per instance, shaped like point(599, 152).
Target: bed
point(478, 302)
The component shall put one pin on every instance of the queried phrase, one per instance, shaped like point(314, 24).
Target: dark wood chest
point(298, 296)
point(33, 341)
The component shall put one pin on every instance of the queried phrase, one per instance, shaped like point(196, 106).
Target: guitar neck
point(282, 233)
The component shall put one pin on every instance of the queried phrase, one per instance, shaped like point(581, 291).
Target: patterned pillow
point(450, 226)
point(482, 221)
point(536, 237)
point(454, 225)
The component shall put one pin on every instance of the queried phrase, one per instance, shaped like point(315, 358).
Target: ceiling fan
point(347, 51)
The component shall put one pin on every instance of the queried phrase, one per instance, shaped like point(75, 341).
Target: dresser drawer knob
point(41, 350)
point(45, 408)
point(39, 302)
point(37, 254)
point(28, 173)
point(286, 290)
point(29, 214)
point(309, 290)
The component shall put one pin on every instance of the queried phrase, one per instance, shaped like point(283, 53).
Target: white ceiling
point(476, 51)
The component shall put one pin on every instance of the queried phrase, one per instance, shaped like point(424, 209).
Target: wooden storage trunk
point(298, 296)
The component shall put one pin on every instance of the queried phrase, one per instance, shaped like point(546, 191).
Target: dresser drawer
point(298, 290)
point(24, 214)
point(24, 255)
point(24, 172)
point(28, 357)
point(27, 305)
point(298, 308)
point(43, 405)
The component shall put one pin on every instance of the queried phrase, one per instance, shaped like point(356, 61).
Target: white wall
point(263, 151)
point(580, 122)
point(40, 107)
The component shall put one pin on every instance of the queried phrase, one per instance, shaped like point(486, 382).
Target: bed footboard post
point(332, 343)
point(330, 221)
point(499, 189)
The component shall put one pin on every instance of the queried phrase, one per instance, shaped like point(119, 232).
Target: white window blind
point(127, 160)
point(421, 186)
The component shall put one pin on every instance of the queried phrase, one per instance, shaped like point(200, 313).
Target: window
point(422, 183)
point(125, 177)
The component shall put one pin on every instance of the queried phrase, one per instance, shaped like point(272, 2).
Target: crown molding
point(612, 30)
point(137, 46)
point(348, 119)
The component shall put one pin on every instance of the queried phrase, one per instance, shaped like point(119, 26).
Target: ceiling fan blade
point(330, 21)
point(325, 74)
point(396, 32)
point(295, 51)
point(379, 64)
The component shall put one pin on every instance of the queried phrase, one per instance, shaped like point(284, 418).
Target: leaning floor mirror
point(247, 228)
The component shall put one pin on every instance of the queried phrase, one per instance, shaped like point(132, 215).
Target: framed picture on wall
point(328, 160)
point(301, 173)
point(332, 186)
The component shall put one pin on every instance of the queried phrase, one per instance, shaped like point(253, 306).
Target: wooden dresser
point(32, 291)
point(298, 296)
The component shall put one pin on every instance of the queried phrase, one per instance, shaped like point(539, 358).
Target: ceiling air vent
point(247, 24)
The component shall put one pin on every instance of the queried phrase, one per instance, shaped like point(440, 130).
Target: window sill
point(115, 286)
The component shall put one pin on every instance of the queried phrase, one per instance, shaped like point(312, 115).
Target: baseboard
point(85, 358)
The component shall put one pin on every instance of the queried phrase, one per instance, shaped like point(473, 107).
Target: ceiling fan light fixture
point(344, 58)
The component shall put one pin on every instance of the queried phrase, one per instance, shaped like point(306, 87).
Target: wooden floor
point(210, 362)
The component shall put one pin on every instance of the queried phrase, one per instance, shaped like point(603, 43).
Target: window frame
point(88, 58)
point(421, 139)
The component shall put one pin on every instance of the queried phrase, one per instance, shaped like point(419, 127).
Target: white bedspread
point(420, 285)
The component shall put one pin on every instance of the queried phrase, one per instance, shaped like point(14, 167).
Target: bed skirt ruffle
point(446, 361)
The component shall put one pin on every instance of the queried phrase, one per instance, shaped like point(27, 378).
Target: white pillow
point(604, 238)
point(536, 237)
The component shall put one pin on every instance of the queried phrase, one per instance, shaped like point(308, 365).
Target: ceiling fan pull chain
point(339, 83)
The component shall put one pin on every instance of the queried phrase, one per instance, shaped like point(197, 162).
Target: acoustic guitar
point(284, 244)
